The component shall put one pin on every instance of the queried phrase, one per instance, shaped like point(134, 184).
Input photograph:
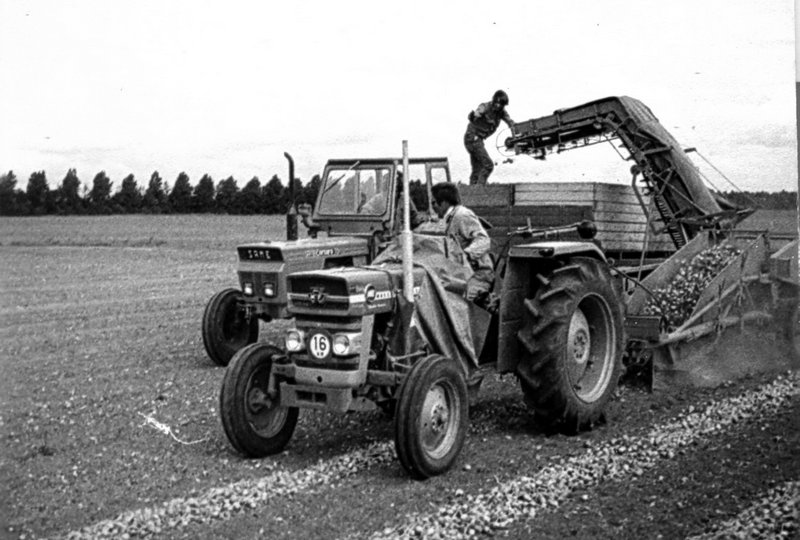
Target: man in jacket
point(464, 227)
point(483, 122)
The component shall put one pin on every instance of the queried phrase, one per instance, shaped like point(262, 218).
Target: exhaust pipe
point(291, 215)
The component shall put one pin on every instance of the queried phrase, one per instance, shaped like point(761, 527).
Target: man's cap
point(500, 97)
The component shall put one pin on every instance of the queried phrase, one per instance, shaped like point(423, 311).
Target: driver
point(376, 205)
point(464, 227)
point(416, 218)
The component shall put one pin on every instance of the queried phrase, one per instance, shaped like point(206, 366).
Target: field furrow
point(109, 421)
point(776, 514)
point(524, 497)
point(470, 515)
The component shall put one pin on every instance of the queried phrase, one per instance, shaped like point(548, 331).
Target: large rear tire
point(225, 327)
point(572, 341)
point(431, 417)
point(254, 422)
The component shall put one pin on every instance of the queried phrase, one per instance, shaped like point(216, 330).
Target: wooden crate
point(621, 222)
point(489, 195)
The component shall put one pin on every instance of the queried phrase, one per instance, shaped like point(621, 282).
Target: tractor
point(390, 329)
point(343, 231)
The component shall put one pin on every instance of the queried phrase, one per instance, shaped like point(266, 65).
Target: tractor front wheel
point(431, 416)
point(226, 329)
point(572, 344)
point(252, 417)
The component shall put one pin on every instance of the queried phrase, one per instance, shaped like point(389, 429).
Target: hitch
point(586, 229)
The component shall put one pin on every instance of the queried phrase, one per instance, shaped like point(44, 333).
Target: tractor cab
point(362, 197)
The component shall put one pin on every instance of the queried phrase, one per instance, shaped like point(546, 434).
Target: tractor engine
point(342, 319)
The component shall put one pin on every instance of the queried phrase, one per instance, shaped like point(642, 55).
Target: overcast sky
point(226, 88)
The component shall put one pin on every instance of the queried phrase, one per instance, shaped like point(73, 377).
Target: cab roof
point(384, 161)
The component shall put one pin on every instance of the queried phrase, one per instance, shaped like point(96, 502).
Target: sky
point(225, 88)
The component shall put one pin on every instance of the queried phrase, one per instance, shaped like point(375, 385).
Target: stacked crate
point(621, 222)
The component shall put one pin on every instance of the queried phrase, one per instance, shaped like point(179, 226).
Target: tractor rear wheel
point(432, 417)
point(572, 342)
point(225, 327)
point(252, 417)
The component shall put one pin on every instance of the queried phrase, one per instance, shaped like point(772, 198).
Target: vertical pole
point(408, 262)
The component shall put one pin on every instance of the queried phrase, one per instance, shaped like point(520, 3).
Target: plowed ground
point(100, 330)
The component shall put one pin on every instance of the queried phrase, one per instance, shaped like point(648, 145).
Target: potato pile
point(677, 300)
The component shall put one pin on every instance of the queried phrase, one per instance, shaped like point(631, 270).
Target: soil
point(97, 339)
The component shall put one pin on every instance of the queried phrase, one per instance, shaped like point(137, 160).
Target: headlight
point(294, 341)
point(346, 344)
point(341, 344)
point(248, 289)
point(269, 290)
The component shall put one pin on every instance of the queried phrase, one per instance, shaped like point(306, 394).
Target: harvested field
point(109, 421)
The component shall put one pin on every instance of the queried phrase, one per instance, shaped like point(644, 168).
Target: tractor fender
point(556, 250)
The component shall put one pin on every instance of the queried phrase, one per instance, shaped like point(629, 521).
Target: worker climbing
point(483, 122)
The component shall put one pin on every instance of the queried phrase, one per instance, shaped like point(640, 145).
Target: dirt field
point(109, 421)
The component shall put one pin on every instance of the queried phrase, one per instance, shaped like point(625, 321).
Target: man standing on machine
point(483, 122)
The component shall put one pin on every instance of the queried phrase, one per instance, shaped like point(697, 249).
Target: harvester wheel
point(225, 327)
point(254, 421)
point(431, 419)
point(572, 344)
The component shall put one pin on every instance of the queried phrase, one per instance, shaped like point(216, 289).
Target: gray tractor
point(353, 217)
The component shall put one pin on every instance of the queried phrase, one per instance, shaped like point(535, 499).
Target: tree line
point(158, 197)
point(225, 196)
point(765, 200)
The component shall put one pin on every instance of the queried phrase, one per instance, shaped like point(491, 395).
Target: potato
point(676, 301)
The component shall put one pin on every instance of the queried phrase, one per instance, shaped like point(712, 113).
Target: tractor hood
point(343, 291)
point(307, 248)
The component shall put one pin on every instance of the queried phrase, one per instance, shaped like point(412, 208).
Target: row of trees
point(73, 197)
point(767, 200)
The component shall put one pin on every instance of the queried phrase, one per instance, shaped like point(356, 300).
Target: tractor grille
point(321, 284)
point(322, 302)
point(319, 293)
